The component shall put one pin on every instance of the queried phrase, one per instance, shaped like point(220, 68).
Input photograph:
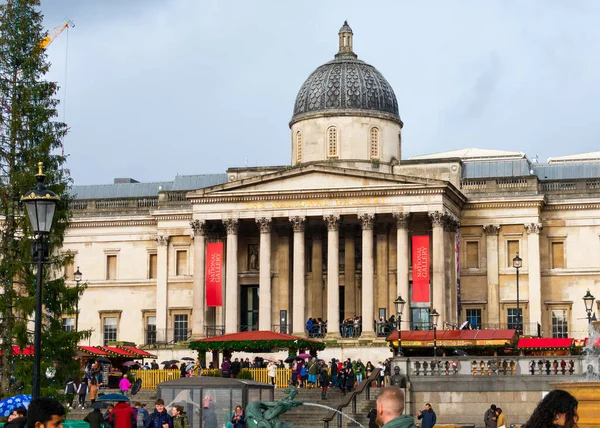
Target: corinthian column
point(231, 280)
point(333, 275)
point(367, 312)
point(299, 292)
point(264, 261)
point(199, 301)
point(402, 221)
point(437, 244)
point(493, 299)
point(162, 296)
point(535, 277)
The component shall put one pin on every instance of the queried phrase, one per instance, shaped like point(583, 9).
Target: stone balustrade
point(493, 366)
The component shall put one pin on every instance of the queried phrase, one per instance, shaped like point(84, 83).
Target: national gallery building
point(341, 232)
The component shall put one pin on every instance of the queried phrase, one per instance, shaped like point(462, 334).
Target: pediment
point(318, 178)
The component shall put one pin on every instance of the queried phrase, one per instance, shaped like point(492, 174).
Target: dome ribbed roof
point(344, 86)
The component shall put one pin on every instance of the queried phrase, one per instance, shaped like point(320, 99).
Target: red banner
point(214, 274)
point(420, 269)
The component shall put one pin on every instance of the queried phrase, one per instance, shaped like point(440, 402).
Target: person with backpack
point(122, 416)
point(95, 419)
point(142, 414)
point(82, 391)
point(180, 419)
point(70, 391)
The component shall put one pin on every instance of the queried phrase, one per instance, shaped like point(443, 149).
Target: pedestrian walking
point(272, 372)
point(82, 391)
point(142, 414)
point(124, 385)
point(428, 416)
point(95, 419)
point(122, 416)
point(350, 379)
point(70, 391)
point(93, 390)
point(324, 382)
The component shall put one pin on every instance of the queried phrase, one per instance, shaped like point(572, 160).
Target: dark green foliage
point(30, 133)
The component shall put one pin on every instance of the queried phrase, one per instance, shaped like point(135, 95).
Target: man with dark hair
point(17, 419)
point(45, 412)
point(428, 416)
point(489, 418)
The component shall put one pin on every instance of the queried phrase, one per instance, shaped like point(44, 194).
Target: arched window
point(298, 147)
point(374, 143)
point(332, 142)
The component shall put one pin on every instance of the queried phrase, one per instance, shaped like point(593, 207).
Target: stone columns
point(367, 221)
point(264, 259)
point(535, 277)
point(231, 277)
point(333, 275)
point(437, 244)
point(299, 291)
point(198, 296)
point(162, 303)
point(402, 221)
point(493, 296)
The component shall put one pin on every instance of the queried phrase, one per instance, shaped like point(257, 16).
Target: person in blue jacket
point(428, 416)
point(160, 418)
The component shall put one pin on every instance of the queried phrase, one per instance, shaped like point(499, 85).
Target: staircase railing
point(364, 386)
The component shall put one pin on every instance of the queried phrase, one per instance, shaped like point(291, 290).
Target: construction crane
point(55, 32)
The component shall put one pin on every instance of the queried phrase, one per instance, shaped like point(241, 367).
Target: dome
point(346, 86)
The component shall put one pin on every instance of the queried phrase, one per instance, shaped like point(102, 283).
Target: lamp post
point(517, 264)
point(41, 204)
point(588, 300)
point(434, 316)
point(77, 277)
point(399, 302)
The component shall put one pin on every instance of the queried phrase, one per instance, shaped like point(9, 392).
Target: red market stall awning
point(545, 343)
point(116, 352)
point(93, 351)
point(16, 350)
point(454, 338)
point(139, 353)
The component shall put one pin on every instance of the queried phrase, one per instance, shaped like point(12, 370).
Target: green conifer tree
point(30, 133)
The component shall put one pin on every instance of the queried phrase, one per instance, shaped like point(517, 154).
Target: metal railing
point(350, 330)
point(214, 330)
point(282, 328)
point(163, 337)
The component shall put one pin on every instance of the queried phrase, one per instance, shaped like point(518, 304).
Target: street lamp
point(517, 264)
point(588, 300)
point(77, 277)
point(41, 204)
point(434, 316)
point(399, 302)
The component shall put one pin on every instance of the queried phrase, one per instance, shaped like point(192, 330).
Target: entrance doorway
point(249, 308)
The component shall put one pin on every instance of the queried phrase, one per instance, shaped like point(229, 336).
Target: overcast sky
point(156, 88)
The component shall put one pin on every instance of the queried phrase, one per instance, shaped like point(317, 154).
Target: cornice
point(113, 223)
point(573, 206)
point(508, 204)
point(164, 217)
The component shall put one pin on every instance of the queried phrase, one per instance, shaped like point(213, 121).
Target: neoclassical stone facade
point(330, 236)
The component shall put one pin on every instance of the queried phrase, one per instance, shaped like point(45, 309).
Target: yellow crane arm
point(55, 32)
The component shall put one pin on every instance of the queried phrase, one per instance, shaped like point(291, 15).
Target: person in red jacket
point(122, 416)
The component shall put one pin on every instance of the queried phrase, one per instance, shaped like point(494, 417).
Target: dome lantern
point(345, 36)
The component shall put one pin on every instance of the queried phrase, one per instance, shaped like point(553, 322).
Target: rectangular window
point(512, 250)
point(559, 323)
point(68, 324)
point(180, 327)
point(181, 262)
point(558, 255)
point(419, 319)
point(474, 318)
point(514, 318)
point(110, 329)
point(152, 263)
point(111, 267)
point(150, 330)
point(473, 255)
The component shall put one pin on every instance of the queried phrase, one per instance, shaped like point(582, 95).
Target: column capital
point(162, 240)
point(491, 229)
point(367, 221)
point(533, 228)
point(264, 224)
point(402, 219)
point(298, 223)
point(232, 226)
point(332, 221)
point(198, 227)
point(436, 218)
point(450, 223)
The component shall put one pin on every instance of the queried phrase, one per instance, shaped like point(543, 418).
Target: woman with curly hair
point(558, 408)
